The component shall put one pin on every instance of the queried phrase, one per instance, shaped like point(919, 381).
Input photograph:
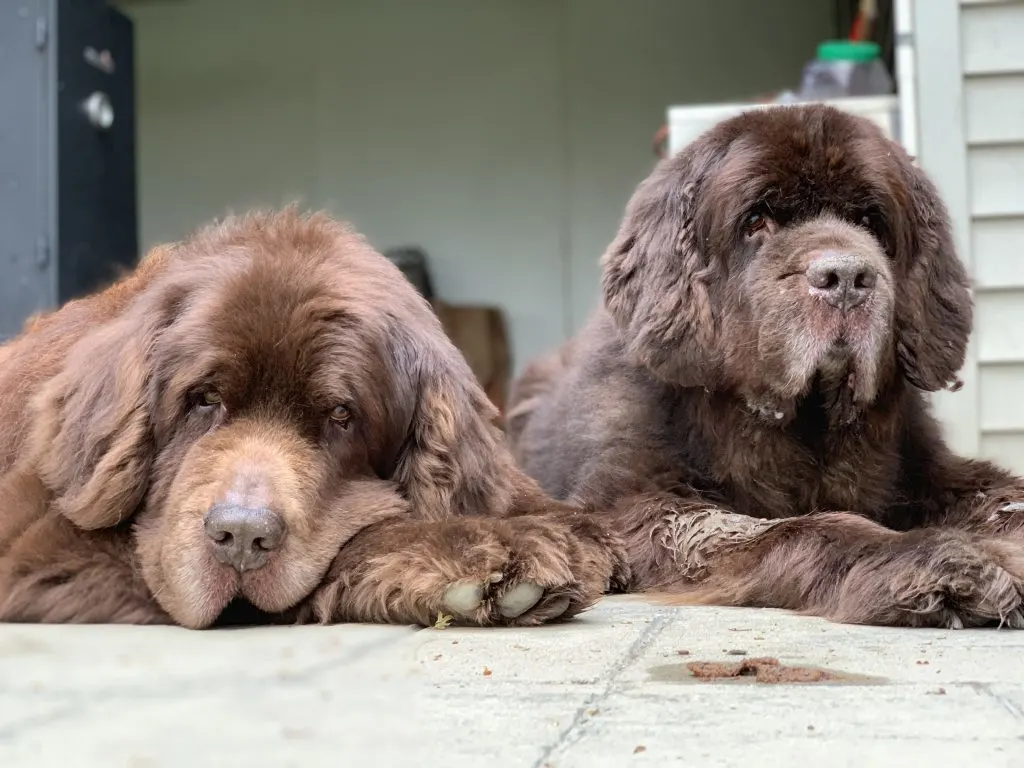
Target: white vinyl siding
point(982, 130)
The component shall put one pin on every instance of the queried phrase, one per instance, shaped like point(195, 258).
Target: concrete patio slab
point(611, 688)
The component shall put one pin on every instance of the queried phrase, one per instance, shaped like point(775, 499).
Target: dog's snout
point(844, 280)
point(244, 537)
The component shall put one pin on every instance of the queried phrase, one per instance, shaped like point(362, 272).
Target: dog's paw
point(525, 602)
point(528, 570)
point(939, 578)
point(515, 571)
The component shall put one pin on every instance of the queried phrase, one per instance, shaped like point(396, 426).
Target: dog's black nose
point(243, 537)
point(844, 280)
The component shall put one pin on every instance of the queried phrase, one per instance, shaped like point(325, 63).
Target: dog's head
point(276, 388)
point(786, 251)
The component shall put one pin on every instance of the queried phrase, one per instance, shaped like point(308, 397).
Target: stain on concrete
point(765, 669)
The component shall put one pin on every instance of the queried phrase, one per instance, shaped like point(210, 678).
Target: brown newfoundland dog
point(266, 423)
point(749, 404)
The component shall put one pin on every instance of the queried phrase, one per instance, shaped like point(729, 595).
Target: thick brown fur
point(271, 365)
point(756, 428)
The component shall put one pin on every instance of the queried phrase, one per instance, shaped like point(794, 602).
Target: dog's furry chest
point(772, 472)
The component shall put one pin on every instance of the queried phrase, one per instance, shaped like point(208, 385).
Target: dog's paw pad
point(1013, 620)
point(463, 598)
point(519, 599)
point(556, 608)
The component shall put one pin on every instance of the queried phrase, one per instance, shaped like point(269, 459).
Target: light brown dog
point(266, 422)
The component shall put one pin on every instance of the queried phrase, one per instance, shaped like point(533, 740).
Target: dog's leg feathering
point(837, 565)
point(516, 571)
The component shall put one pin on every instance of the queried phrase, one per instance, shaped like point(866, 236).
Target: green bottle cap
point(848, 50)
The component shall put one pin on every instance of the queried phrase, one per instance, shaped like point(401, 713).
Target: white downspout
point(906, 74)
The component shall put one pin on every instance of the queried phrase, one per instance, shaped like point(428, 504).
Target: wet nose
point(844, 280)
point(244, 537)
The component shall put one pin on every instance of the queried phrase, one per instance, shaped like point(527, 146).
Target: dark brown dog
point(749, 403)
point(266, 423)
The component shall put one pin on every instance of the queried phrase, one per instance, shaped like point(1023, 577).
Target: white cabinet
point(685, 123)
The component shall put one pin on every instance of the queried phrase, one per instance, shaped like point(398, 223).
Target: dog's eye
point(754, 223)
point(341, 415)
point(208, 398)
point(872, 220)
point(205, 400)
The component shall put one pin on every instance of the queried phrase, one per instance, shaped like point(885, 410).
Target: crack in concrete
point(578, 726)
point(1009, 705)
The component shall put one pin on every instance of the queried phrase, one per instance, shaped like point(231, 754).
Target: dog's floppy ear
point(934, 310)
point(453, 459)
point(92, 439)
point(656, 272)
